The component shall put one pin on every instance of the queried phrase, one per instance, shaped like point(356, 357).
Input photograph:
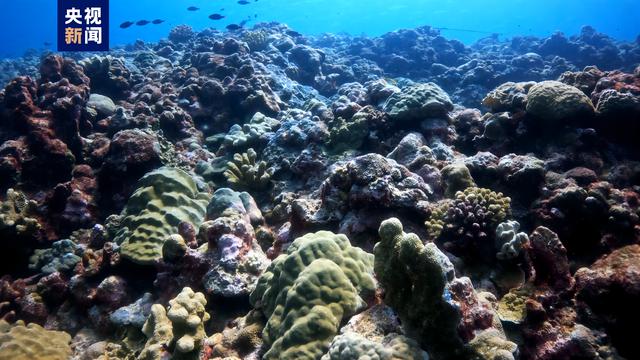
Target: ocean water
point(29, 24)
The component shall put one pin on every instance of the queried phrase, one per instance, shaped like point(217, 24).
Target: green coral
point(491, 344)
point(307, 292)
point(245, 172)
point(456, 177)
point(61, 257)
point(180, 329)
point(509, 96)
point(353, 346)
point(257, 39)
point(470, 217)
point(32, 342)
point(164, 198)
point(17, 212)
point(418, 102)
point(554, 101)
point(415, 278)
point(348, 134)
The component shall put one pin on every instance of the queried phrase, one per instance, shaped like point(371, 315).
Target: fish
point(216, 16)
point(243, 2)
point(193, 8)
point(126, 24)
point(293, 33)
point(142, 22)
point(47, 44)
point(232, 27)
point(157, 21)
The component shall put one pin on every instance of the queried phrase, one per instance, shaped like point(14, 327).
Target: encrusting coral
point(307, 293)
point(164, 198)
point(32, 342)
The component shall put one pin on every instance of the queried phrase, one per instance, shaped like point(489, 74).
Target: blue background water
point(28, 24)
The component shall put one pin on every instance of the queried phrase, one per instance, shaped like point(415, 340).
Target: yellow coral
point(245, 172)
point(32, 342)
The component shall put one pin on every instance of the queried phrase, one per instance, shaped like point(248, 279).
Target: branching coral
point(467, 222)
point(17, 212)
point(509, 241)
point(245, 172)
point(179, 329)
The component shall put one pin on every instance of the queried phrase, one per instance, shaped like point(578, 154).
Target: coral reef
point(246, 174)
point(442, 312)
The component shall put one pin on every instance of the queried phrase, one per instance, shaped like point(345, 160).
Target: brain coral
point(555, 101)
point(307, 293)
point(164, 198)
point(32, 342)
point(418, 102)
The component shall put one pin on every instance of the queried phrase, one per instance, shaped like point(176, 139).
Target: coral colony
point(260, 194)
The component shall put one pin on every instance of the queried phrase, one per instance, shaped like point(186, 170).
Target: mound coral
point(307, 292)
point(509, 96)
point(418, 102)
point(61, 257)
point(32, 342)
point(164, 198)
point(554, 102)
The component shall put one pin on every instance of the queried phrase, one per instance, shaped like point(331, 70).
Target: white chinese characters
point(73, 16)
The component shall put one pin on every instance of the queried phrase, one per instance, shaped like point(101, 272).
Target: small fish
point(142, 22)
point(193, 8)
point(126, 24)
point(243, 2)
point(216, 16)
point(157, 21)
point(293, 33)
point(222, 9)
point(232, 27)
point(46, 44)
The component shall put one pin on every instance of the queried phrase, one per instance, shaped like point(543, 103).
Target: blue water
point(28, 24)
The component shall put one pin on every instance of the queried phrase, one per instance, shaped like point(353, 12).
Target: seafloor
point(264, 194)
